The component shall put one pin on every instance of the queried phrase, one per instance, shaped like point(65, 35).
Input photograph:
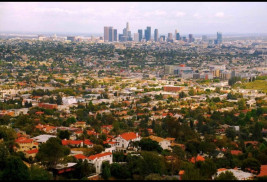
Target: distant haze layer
point(91, 17)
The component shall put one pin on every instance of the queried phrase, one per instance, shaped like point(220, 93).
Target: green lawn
point(257, 84)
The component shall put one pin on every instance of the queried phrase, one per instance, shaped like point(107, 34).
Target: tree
point(207, 168)
point(241, 104)
point(3, 155)
point(63, 134)
point(182, 94)
point(15, 169)
point(69, 121)
point(191, 92)
point(38, 173)
point(191, 173)
point(227, 175)
point(83, 169)
point(59, 100)
point(8, 135)
point(230, 133)
point(179, 152)
point(150, 145)
point(251, 163)
point(51, 152)
point(153, 176)
point(98, 149)
point(152, 163)
point(106, 170)
point(120, 171)
point(256, 134)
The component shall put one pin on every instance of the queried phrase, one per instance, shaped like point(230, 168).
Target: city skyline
point(91, 17)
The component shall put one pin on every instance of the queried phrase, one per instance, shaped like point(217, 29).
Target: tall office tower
point(176, 31)
point(127, 26)
point(162, 38)
point(106, 34)
point(156, 35)
point(140, 32)
point(136, 37)
point(120, 37)
point(111, 34)
point(148, 33)
point(204, 38)
point(184, 39)
point(191, 39)
point(126, 33)
point(115, 35)
point(177, 36)
point(170, 38)
point(219, 37)
point(129, 36)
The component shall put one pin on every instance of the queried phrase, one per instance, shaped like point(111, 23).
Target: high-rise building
point(140, 32)
point(170, 38)
point(156, 35)
point(191, 39)
point(111, 34)
point(148, 33)
point(115, 37)
point(120, 37)
point(106, 33)
point(136, 37)
point(219, 38)
point(177, 36)
point(126, 33)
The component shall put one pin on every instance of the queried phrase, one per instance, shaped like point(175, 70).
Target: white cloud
point(219, 14)
point(179, 14)
point(54, 10)
point(155, 13)
point(197, 15)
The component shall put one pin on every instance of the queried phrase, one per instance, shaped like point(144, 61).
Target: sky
point(91, 17)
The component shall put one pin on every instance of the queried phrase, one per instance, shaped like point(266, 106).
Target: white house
point(123, 140)
point(239, 174)
point(98, 159)
point(69, 100)
point(164, 143)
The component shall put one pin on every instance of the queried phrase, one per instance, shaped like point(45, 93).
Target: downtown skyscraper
point(148, 33)
point(156, 35)
point(219, 38)
point(110, 34)
point(140, 32)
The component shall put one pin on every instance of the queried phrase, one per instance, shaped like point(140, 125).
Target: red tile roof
point(263, 171)
point(92, 157)
point(24, 140)
point(80, 156)
point(128, 136)
point(90, 132)
point(71, 142)
point(181, 172)
point(88, 142)
point(33, 151)
point(236, 152)
point(196, 159)
point(221, 169)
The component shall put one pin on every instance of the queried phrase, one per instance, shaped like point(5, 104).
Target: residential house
point(165, 144)
point(98, 159)
point(124, 139)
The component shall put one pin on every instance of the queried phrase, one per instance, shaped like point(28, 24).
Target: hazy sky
point(91, 17)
